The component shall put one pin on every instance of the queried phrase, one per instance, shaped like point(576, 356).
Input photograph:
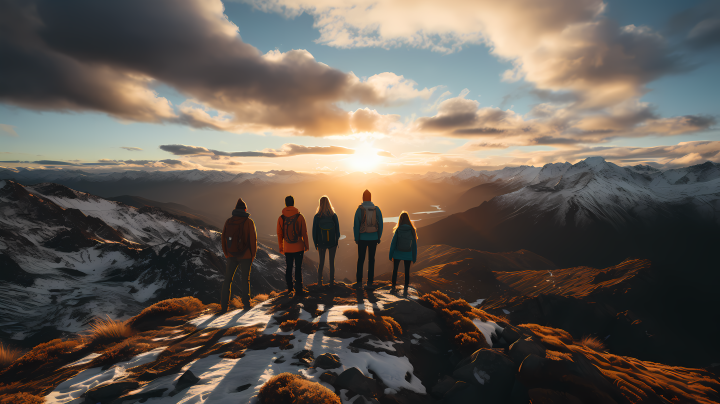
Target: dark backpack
point(291, 232)
point(404, 240)
point(326, 225)
point(235, 236)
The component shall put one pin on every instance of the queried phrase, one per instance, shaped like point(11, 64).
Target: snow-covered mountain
point(591, 210)
point(67, 256)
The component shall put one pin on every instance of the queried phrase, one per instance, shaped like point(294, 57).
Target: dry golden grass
point(293, 389)
point(151, 316)
point(593, 343)
point(42, 354)
point(21, 398)
point(8, 355)
point(103, 331)
point(361, 321)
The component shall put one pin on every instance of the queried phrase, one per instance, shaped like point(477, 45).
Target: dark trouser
point(321, 252)
point(396, 265)
point(294, 258)
point(230, 268)
point(371, 246)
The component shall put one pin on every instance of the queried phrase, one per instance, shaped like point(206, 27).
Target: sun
point(365, 159)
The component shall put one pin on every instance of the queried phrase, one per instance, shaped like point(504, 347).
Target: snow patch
point(488, 328)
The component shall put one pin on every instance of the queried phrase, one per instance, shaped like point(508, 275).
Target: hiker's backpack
point(368, 220)
point(404, 240)
point(328, 238)
point(235, 241)
point(291, 232)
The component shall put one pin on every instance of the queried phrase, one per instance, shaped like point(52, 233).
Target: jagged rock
point(521, 348)
point(329, 377)
point(354, 380)
point(577, 376)
point(462, 393)
point(141, 396)
point(547, 396)
point(408, 312)
point(327, 361)
point(519, 394)
point(491, 371)
point(443, 386)
point(11, 271)
point(186, 380)
point(431, 328)
point(365, 400)
point(509, 335)
point(374, 344)
point(304, 358)
point(108, 392)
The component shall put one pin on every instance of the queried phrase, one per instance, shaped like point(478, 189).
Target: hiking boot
point(357, 285)
point(222, 311)
point(369, 286)
point(247, 305)
point(393, 291)
point(405, 293)
point(300, 292)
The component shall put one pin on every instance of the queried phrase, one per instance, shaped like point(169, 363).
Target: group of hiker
point(239, 244)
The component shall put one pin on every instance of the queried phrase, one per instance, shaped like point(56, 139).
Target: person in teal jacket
point(403, 248)
point(367, 229)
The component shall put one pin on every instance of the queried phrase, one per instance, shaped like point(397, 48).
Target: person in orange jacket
point(293, 242)
point(239, 244)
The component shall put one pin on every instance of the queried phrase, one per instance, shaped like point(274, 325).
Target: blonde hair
point(325, 207)
point(405, 219)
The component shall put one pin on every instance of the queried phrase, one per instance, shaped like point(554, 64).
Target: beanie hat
point(366, 196)
point(241, 204)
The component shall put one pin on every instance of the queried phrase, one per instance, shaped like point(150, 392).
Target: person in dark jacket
point(367, 229)
point(403, 247)
point(239, 244)
point(325, 234)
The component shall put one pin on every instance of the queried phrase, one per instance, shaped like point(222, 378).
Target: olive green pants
point(231, 267)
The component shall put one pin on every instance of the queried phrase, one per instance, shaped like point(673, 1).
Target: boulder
point(521, 348)
point(519, 394)
point(327, 361)
point(354, 380)
point(428, 329)
point(408, 313)
point(491, 371)
point(108, 392)
point(186, 380)
point(462, 393)
point(329, 378)
point(509, 335)
point(547, 396)
point(443, 386)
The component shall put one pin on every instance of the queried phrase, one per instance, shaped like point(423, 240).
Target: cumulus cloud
point(287, 150)
point(559, 45)
point(550, 124)
point(7, 130)
point(79, 55)
point(131, 148)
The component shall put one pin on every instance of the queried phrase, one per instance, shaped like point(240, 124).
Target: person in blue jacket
point(326, 234)
point(367, 229)
point(403, 248)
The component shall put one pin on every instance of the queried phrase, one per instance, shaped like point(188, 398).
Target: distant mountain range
point(592, 212)
point(67, 256)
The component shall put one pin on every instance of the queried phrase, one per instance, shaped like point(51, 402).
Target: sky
point(375, 86)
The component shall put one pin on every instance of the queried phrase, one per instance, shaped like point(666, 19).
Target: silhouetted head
point(325, 208)
point(289, 201)
point(366, 196)
point(240, 205)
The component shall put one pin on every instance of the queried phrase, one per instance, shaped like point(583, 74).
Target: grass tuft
point(151, 316)
point(593, 343)
point(292, 388)
point(8, 355)
point(21, 398)
point(361, 321)
point(104, 331)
